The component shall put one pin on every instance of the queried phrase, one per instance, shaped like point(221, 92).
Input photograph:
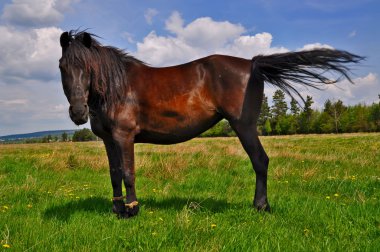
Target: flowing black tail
point(305, 67)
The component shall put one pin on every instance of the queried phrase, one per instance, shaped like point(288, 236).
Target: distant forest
point(287, 119)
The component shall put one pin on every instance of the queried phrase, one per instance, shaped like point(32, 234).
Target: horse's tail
point(305, 67)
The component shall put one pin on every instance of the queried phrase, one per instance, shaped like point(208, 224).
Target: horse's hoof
point(132, 211)
point(118, 208)
point(264, 206)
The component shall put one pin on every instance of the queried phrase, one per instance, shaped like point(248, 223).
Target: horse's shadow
point(101, 206)
point(64, 211)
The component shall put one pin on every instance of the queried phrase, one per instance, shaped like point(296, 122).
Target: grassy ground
point(196, 196)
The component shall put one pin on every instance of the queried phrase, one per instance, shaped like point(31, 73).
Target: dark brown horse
point(130, 102)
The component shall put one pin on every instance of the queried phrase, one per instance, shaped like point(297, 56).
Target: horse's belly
point(171, 132)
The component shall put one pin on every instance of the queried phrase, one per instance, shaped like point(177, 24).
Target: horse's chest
point(98, 125)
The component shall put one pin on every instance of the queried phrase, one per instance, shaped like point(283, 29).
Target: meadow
point(324, 192)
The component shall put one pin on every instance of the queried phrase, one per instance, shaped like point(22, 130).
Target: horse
point(130, 102)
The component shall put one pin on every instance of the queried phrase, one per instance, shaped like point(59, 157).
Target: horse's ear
point(64, 40)
point(87, 40)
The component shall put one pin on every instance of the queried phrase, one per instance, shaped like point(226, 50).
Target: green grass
point(195, 196)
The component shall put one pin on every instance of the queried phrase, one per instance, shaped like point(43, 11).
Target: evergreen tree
point(294, 108)
point(278, 110)
point(305, 117)
point(279, 106)
point(294, 117)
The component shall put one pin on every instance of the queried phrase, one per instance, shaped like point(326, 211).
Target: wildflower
point(306, 232)
point(327, 197)
point(6, 207)
point(29, 205)
point(6, 245)
point(213, 225)
point(336, 195)
point(154, 190)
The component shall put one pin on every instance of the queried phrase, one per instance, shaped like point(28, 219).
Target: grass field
point(196, 196)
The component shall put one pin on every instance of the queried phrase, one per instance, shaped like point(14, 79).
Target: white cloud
point(149, 14)
point(29, 54)
point(15, 102)
point(364, 90)
point(35, 13)
point(200, 38)
point(313, 46)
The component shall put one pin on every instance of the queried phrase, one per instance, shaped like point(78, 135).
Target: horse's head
point(75, 74)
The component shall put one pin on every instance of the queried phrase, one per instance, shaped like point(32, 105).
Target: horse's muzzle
point(79, 113)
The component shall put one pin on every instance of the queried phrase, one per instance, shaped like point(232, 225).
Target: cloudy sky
point(166, 32)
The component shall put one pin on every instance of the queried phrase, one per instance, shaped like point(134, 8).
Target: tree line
point(286, 119)
point(82, 135)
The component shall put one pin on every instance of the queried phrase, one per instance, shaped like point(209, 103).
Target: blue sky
point(170, 32)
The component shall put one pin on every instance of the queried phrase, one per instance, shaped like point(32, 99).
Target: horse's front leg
point(126, 144)
point(116, 173)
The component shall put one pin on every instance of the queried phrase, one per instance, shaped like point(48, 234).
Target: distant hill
point(40, 134)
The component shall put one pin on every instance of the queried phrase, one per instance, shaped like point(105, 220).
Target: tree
point(83, 135)
point(265, 113)
point(294, 117)
point(267, 128)
point(64, 137)
point(305, 116)
point(279, 106)
point(278, 110)
point(294, 108)
point(221, 129)
point(335, 110)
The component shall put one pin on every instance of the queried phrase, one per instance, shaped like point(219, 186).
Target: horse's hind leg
point(249, 139)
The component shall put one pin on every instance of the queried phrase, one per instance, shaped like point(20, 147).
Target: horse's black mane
point(108, 66)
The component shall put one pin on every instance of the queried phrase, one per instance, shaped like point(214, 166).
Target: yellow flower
point(6, 245)
point(213, 225)
point(6, 207)
point(327, 197)
point(30, 206)
point(306, 232)
point(336, 195)
point(154, 190)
